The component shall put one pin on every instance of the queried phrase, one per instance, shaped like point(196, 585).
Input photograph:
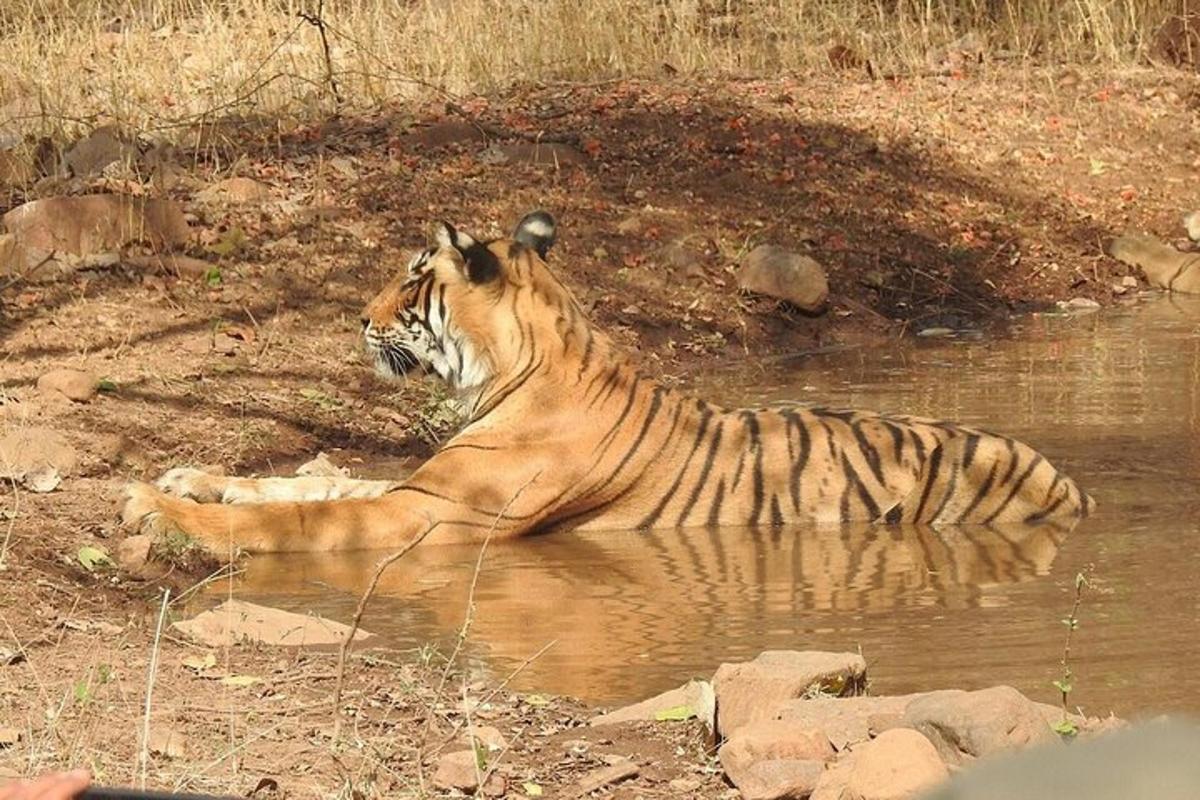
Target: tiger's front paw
point(194, 484)
point(142, 509)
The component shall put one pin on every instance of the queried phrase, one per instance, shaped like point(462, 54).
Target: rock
point(321, 467)
point(459, 771)
point(30, 451)
point(1079, 304)
point(102, 147)
point(235, 190)
point(694, 699)
point(1163, 265)
point(685, 254)
point(444, 134)
point(684, 785)
point(167, 742)
point(772, 740)
point(542, 154)
point(74, 384)
point(753, 690)
point(1192, 223)
point(895, 766)
point(133, 552)
point(97, 223)
point(1154, 760)
point(177, 265)
point(782, 274)
point(605, 776)
point(630, 226)
point(486, 735)
point(235, 620)
point(9, 737)
point(771, 759)
point(846, 720)
point(964, 725)
point(779, 780)
point(832, 783)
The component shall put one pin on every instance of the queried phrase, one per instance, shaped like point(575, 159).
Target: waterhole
point(1113, 398)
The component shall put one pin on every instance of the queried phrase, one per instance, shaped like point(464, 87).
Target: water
point(1113, 398)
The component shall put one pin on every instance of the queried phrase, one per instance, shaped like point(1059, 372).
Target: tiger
point(562, 430)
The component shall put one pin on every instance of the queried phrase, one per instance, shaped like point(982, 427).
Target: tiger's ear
point(536, 230)
point(479, 264)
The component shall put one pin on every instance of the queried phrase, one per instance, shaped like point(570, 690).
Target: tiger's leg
point(205, 488)
point(981, 478)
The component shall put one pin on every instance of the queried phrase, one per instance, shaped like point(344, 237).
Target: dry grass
point(159, 64)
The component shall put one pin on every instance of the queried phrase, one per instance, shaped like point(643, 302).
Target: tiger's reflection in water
point(616, 599)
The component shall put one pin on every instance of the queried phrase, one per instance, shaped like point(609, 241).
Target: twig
point(318, 21)
point(466, 626)
point(344, 650)
point(144, 754)
point(12, 523)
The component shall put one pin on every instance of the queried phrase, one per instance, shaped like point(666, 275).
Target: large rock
point(102, 147)
point(236, 620)
point(74, 384)
point(1163, 265)
point(89, 225)
point(785, 275)
point(846, 720)
point(754, 690)
point(964, 725)
point(895, 766)
point(782, 779)
point(693, 699)
point(771, 759)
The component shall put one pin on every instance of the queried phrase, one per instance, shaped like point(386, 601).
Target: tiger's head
point(462, 308)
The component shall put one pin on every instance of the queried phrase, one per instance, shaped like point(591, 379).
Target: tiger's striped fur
point(562, 430)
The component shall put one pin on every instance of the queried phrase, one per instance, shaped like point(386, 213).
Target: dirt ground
point(942, 203)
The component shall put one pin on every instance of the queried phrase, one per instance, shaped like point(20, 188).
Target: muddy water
point(1114, 398)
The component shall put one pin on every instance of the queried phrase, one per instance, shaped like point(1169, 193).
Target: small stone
point(236, 190)
point(600, 254)
point(1129, 282)
point(133, 552)
point(1079, 304)
point(897, 765)
point(167, 742)
point(630, 226)
point(9, 737)
point(1192, 223)
point(74, 384)
point(935, 333)
point(457, 771)
point(491, 738)
point(753, 690)
point(321, 467)
point(684, 785)
point(605, 776)
point(782, 274)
